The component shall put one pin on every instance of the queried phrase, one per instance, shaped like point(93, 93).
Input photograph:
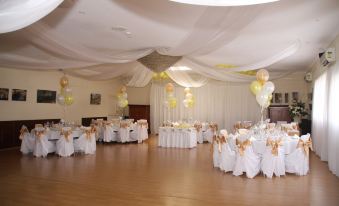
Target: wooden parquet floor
point(144, 174)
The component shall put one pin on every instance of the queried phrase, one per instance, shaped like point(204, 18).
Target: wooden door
point(137, 112)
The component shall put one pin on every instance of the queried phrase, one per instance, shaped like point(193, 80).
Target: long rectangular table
point(177, 137)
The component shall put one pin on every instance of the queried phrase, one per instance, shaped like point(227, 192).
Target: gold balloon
point(169, 87)
point(190, 103)
point(187, 90)
point(69, 100)
point(63, 81)
point(270, 97)
point(255, 87)
point(123, 89)
point(119, 95)
point(262, 76)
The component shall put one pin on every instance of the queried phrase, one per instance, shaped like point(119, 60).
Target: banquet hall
point(169, 102)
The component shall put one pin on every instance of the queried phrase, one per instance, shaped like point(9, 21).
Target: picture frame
point(286, 98)
point(46, 96)
point(95, 99)
point(4, 92)
point(295, 96)
point(19, 95)
point(278, 98)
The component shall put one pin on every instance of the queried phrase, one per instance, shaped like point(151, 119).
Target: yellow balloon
point(187, 90)
point(63, 81)
point(69, 100)
point(119, 95)
point(172, 103)
point(190, 103)
point(270, 97)
point(162, 75)
point(255, 87)
point(262, 76)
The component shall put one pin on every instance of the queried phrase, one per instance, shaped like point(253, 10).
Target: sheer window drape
point(325, 118)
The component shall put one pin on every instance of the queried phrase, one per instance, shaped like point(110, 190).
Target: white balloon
point(189, 96)
point(61, 99)
point(170, 95)
point(124, 95)
point(185, 101)
point(166, 104)
point(262, 98)
point(268, 87)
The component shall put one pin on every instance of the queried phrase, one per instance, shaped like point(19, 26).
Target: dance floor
point(144, 174)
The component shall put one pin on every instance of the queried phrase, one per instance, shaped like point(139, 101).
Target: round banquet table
point(177, 137)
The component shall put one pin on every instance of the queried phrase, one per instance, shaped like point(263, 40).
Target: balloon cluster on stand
point(262, 89)
point(65, 97)
point(189, 98)
point(122, 97)
point(171, 101)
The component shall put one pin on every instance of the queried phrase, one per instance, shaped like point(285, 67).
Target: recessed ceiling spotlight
point(224, 2)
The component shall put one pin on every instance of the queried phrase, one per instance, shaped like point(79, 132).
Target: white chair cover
point(227, 156)
point(108, 132)
point(273, 161)
point(210, 132)
point(200, 137)
point(27, 141)
point(142, 130)
point(216, 151)
point(42, 145)
point(86, 142)
point(124, 132)
point(64, 146)
point(246, 160)
point(298, 161)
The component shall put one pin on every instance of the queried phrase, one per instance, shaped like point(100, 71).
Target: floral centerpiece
point(297, 111)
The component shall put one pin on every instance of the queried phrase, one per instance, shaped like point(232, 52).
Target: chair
point(216, 146)
point(124, 132)
point(86, 142)
point(64, 146)
point(227, 156)
point(298, 161)
point(198, 127)
point(108, 132)
point(211, 132)
point(142, 132)
point(273, 161)
point(42, 145)
point(246, 159)
point(27, 140)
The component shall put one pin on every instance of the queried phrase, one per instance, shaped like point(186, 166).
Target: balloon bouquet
point(262, 89)
point(122, 99)
point(189, 98)
point(65, 97)
point(171, 101)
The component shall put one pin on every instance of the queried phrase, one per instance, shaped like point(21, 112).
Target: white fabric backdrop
point(325, 121)
point(224, 103)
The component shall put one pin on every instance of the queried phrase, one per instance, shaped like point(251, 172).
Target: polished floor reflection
point(144, 174)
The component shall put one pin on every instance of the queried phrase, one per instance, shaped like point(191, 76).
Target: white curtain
point(17, 14)
point(224, 103)
point(325, 118)
point(184, 79)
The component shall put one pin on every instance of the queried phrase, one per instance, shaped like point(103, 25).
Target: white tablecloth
point(176, 137)
point(55, 134)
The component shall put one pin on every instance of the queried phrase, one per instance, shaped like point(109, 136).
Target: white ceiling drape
point(17, 14)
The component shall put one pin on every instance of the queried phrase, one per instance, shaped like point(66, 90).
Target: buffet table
point(177, 137)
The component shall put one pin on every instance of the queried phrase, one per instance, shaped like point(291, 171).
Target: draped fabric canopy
point(105, 39)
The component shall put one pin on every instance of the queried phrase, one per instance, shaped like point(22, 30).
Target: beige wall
point(49, 80)
point(139, 95)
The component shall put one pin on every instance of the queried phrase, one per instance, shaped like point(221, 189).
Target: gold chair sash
point(216, 140)
point(242, 146)
point(293, 132)
point(124, 125)
point(88, 134)
point(198, 127)
point(213, 127)
point(23, 130)
point(39, 134)
point(307, 145)
point(143, 124)
point(66, 134)
point(274, 144)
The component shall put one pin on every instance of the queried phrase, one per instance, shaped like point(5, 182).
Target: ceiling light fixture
point(224, 2)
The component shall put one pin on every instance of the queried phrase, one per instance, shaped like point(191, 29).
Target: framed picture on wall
point(95, 99)
point(19, 94)
point(287, 98)
point(295, 96)
point(46, 96)
point(4, 93)
point(278, 98)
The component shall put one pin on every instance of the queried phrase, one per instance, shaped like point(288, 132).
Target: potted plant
point(297, 111)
